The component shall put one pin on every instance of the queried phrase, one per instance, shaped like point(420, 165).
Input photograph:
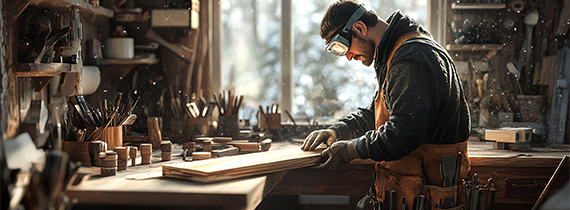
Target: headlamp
point(339, 44)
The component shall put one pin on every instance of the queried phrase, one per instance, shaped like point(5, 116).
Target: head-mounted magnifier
point(339, 44)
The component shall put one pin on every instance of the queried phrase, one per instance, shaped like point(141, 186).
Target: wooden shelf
point(478, 6)
point(80, 4)
point(473, 47)
point(43, 69)
point(103, 62)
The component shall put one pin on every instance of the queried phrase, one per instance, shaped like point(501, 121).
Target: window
point(324, 85)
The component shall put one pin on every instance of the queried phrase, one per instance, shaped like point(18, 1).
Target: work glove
point(328, 136)
point(338, 154)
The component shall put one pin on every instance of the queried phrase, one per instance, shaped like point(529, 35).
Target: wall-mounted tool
point(49, 44)
point(516, 67)
point(182, 51)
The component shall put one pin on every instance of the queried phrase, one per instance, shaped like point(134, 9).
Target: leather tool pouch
point(409, 186)
point(437, 195)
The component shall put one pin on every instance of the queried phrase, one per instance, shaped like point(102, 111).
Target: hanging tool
point(50, 42)
point(476, 188)
point(448, 169)
point(467, 192)
point(392, 200)
point(549, 184)
point(180, 50)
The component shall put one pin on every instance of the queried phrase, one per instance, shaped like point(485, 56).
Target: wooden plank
point(80, 4)
point(242, 165)
point(478, 6)
point(508, 136)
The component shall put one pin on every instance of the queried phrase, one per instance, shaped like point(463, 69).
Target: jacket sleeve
point(356, 124)
point(412, 98)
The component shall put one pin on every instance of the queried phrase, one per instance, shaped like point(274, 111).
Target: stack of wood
point(238, 166)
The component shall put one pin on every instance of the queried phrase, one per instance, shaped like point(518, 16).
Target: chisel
point(392, 200)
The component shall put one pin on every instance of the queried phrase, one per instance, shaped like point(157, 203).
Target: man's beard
point(368, 51)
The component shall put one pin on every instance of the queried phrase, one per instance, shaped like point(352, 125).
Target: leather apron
point(404, 175)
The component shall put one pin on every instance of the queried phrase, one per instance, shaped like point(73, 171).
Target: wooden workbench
point(519, 177)
point(143, 186)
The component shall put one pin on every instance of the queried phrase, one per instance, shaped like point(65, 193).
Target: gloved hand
point(339, 154)
point(328, 136)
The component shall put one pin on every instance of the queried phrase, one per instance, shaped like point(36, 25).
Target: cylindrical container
point(90, 79)
point(113, 136)
point(71, 148)
point(146, 151)
point(84, 156)
point(201, 155)
point(199, 126)
point(269, 121)
point(122, 157)
point(109, 164)
point(120, 47)
point(228, 126)
point(133, 154)
point(95, 148)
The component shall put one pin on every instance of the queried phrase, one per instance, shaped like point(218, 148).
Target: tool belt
point(403, 182)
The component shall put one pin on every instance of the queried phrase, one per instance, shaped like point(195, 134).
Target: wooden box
point(508, 136)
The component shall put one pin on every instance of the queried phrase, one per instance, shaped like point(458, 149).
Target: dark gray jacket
point(423, 96)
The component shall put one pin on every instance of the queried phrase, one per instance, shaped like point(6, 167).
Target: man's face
point(361, 49)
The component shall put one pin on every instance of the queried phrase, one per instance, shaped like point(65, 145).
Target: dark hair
point(338, 14)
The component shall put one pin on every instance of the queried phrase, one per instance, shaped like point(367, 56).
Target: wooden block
point(146, 148)
point(154, 131)
point(525, 134)
point(265, 145)
point(220, 139)
point(166, 156)
point(146, 151)
point(133, 154)
point(122, 157)
point(201, 155)
point(95, 148)
point(201, 140)
point(166, 146)
point(122, 152)
point(225, 152)
point(238, 166)
point(246, 146)
point(506, 136)
point(109, 164)
point(207, 146)
point(190, 146)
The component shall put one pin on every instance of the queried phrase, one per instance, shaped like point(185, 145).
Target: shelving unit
point(43, 69)
point(135, 61)
point(82, 5)
point(473, 47)
point(478, 6)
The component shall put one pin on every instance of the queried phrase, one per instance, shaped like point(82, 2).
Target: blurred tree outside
point(324, 85)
